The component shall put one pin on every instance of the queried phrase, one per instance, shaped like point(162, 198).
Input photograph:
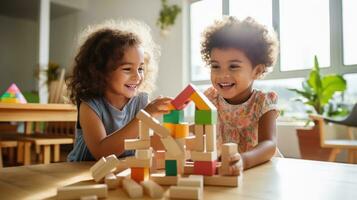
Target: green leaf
point(330, 85)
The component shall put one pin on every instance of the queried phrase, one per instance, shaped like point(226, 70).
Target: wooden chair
point(335, 144)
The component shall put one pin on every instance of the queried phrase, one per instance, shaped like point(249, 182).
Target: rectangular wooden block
point(181, 99)
point(217, 180)
point(143, 154)
point(190, 182)
point(110, 165)
point(161, 179)
point(171, 167)
point(144, 131)
point(184, 192)
point(228, 149)
point(202, 102)
point(132, 188)
point(139, 174)
point(206, 168)
point(97, 165)
point(152, 123)
point(156, 143)
point(112, 181)
point(190, 142)
point(171, 146)
point(211, 138)
point(199, 141)
point(205, 116)
point(174, 117)
point(76, 192)
point(181, 130)
point(136, 144)
point(203, 156)
point(134, 162)
point(170, 127)
point(188, 169)
point(152, 189)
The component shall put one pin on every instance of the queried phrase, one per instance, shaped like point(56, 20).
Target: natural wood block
point(132, 188)
point(217, 180)
point(90, 197)
point(207, 168)
point(112, 181)
point(184, 192)
point(143, 154)
point(190, 182)
point(152, 123)
point(203, 156)
point(201, 101)
point(139, 174)
point(171, 146)
point(181, 130)
point(211, 138)
point(199, 141)
point(188, 169)
point(97, 165)
point(181, 99)
point(174, 117)
point(130, 144)
point(110, 164)
point(228, 150)
point(205, 116)
point(161, 179)
point(144, 131)
point(76, 192)
point(190, 142)
point(170, 127)
point(134, 162)
point(156, 143)
point(152, 189)
point(195, 176)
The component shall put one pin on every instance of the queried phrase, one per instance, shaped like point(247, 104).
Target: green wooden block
point(175, 117)
point(205, 116)
point(171, 167)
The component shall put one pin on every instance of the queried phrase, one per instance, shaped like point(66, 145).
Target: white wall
point(18, 53)
point(172, 68)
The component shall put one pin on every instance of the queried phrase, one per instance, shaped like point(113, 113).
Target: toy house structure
point(13, 95)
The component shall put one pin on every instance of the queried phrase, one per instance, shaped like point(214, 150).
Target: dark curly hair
point(99, 55)
point(247, 35)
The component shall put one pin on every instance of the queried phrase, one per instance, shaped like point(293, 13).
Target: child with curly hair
point(238, 53)
point(114, 71)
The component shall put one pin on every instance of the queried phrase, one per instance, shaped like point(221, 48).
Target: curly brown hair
point(103, 46)
point(258, 44)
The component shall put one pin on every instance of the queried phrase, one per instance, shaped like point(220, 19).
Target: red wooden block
point(182, 99)
point(139, 174)
point(206, 168)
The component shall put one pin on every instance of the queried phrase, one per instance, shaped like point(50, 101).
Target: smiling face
point(233, 74)
point(129, 74)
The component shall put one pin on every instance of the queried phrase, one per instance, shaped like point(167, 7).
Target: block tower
point(13, 95)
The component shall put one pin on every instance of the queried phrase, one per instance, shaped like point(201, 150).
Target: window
point(304, 32)
point(350, 96)
point(202, 14)
point(349, 32)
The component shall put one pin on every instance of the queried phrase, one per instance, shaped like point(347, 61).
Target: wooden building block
point(160, 159)
point(152, 123)
point(171, 146)
point(211, 138)
point(190, 142)
point(181, 130)
point(190, 182)
point(199, 141)
point(143, 154)
point(171, 167)
point(171, 107)
point(90, 197)
point(207, 168)
point(195, 176)
point(144, 131)
point(134, 162)
point(112, 181)
point(201, 101)
point(110, 164)
point(217, 180)
point(170, 127)
point(156, 143)
point(152, 189)
point(136, 144)
point(228, 150)
point(132, 188)
point(139, 174)
point(181, 99)
point(97, 165)
point(174, 117)
point(76, 192)
point(188, 169)
point(205, 116)
point(184, 192)
point(161, 179)
point(203, 156)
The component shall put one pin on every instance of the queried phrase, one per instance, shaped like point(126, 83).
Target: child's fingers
point(234, 170)
point(234, 158)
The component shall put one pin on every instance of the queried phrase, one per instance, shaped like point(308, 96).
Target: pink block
point(206, 168)
point(182, 99)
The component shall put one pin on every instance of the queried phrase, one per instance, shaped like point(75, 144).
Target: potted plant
point(318, 93)
point(167, 16)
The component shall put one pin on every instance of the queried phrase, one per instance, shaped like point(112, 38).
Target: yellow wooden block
point(171, 127)
point(202, 102)
point(181, 130)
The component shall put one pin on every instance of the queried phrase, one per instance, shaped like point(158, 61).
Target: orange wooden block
point(139, 174)
point(181, 130)
point(171, 127)
point(156, 143)
point(202, 102)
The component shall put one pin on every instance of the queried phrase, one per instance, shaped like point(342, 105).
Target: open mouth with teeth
point(226, 85)
point(131, 86)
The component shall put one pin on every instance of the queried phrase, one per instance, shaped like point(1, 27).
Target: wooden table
point(31, 112)
point(280, 178)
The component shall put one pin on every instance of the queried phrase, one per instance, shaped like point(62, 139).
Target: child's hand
point(236, 165)
point(159, 106)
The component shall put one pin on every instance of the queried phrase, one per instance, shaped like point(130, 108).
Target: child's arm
point(95, 135)
point(266, 147)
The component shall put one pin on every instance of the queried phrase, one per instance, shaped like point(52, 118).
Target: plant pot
point(309, 144)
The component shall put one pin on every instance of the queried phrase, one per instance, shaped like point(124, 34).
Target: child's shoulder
point(263, 96)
